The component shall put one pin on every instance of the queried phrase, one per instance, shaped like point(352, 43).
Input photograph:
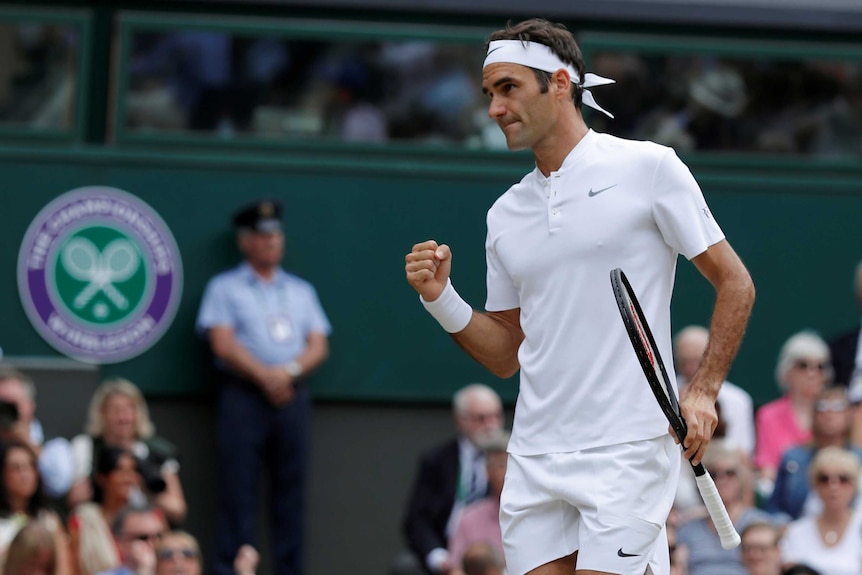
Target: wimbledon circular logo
point(99, 275)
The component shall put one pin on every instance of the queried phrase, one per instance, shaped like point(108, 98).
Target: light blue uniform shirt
point(271, 319)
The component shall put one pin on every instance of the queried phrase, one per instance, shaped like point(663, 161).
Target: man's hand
point(698, 410)
point(143, 558)
point(277, 385)
point(428, 267)
point(246, 560)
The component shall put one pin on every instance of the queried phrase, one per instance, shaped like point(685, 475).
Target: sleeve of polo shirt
point(318, 322)
point(215, 308)
point(680, 210)
point(502, 293)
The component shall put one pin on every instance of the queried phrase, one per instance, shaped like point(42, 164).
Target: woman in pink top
point(803, 370)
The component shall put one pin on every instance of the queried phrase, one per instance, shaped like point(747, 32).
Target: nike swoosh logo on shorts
point(591, 193)
point(623, 554)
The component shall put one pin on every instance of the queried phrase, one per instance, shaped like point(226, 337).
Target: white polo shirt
point(551, 245)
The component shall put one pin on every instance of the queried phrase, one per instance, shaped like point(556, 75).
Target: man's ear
point(562, 82)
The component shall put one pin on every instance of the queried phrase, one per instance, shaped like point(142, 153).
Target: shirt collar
point(248, 274)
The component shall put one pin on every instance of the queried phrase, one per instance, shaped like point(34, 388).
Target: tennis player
point(592, 468)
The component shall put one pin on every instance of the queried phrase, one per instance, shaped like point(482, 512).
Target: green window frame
point(82, 21)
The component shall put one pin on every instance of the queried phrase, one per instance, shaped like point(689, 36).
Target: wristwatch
point(293, 369)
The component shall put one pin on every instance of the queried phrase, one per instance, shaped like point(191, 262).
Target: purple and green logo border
point(99, 275)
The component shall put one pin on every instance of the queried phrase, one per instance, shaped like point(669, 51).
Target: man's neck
point(553, 150)
point(265, 272)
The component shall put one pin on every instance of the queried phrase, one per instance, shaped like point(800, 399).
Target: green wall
point(349, 224)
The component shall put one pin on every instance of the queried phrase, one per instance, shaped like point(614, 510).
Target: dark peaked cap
point(263, 216)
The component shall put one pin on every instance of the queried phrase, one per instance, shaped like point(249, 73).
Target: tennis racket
point(653, 367)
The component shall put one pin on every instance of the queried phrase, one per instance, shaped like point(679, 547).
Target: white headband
point(540, 57)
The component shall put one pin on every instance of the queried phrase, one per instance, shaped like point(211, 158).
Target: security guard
point(267, 330)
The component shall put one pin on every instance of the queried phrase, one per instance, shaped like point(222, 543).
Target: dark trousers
point(253, 434)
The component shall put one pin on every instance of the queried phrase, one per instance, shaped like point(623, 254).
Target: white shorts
point(608, 503)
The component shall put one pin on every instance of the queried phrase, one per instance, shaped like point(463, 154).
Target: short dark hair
point(119, 523)
point(556, 37)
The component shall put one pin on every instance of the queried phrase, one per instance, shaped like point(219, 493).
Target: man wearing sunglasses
point(136, 531)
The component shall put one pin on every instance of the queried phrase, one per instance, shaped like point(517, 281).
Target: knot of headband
point(540, 57)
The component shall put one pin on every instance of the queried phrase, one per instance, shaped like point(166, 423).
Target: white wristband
point(450, 311)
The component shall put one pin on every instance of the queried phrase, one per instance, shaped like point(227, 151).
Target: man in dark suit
point(450, 476)
point(847, 353)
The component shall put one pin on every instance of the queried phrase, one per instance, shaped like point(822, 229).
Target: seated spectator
point(733, 479)
point(118, 416)
point(803, 370)
point(482, 559)
point(178, 553)
point(450, 476)
point(831, 427)
point(116, 480)
point(56, 466)
point(830, 541)
point(759, 546)
point(136, 531)
point(21, 501)
point(33, 551)
point(480, 521)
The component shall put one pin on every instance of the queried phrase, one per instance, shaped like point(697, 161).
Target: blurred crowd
point(787, 471)
point(261, 87)
point(109, 500)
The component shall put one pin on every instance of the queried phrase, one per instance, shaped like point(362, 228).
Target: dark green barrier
point(349, 226)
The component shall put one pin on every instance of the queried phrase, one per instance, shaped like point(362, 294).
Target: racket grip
point(717, 512)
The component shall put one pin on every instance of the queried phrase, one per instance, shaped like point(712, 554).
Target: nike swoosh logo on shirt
point(591, 193)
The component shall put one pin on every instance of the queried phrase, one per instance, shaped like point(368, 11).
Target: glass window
point(38, 75)
point(748, 105)
point(233, 84)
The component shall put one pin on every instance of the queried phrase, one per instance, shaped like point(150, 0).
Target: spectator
point(480, 521)
point(450, 476)
point(759, 546)
point(268, 332)
point(733, 479)
point(118, 417)
point(483, 559)
point(830, 541)
point(116, 480)
point(21, 501)
point(56, 466)
point(178, 553)
point(846, 351)
point(803, 370)
point(33, 551)
point(831, 427)
point(136, 531)
point(736, 405)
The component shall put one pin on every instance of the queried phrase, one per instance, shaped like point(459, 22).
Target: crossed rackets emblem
point(100, 269)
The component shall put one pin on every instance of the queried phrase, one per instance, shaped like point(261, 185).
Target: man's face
point(525, 114)
point(140, 533)
point(262, 249)
point(13, 391)
point(177, 555)
point(482, 417)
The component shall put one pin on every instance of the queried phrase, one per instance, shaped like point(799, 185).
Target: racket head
point(647, 351)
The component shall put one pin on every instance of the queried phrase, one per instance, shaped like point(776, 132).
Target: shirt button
point(554, 211)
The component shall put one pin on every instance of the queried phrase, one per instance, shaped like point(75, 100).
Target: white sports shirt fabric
point(551, 245)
